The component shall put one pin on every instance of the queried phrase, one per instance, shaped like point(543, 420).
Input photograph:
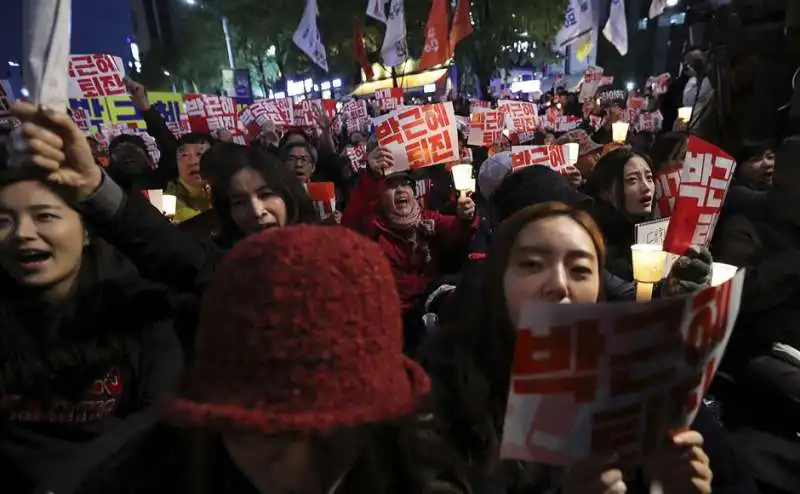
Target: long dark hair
point(608, 175)
point(484, 343)
point(665, 149)
point(224, 160)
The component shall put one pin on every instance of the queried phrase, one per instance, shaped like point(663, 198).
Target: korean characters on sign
point(355, 112)
point(550, 156)
point(357, 157)
point(704, 179)
point(95, 75)
point(419, 136)
point(388, 99)
point(485, 127)
point(519, 116)
point(613, 379)
point(304, 111)
point(255, 117)
point(211, 113)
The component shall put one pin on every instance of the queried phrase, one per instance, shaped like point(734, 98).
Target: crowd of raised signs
point(390, 296)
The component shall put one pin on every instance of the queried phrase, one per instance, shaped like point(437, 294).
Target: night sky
point(98, 26)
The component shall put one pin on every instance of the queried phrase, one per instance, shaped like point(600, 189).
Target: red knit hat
point(300, 330)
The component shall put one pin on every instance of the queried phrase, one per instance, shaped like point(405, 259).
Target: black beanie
point(129, 138)
point(535, 185)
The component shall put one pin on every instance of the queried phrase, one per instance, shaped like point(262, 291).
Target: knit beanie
point(535, 185)
point(300, 330)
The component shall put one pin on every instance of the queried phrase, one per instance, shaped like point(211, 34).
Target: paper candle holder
point(571, 151)
point(685, 113)
point(169, 204)
point(648, 262)
point(462, 177)
point(721, 272)
point(619, 131)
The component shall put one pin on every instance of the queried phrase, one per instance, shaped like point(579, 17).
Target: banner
point(616, 378)
point(616, 28)
point(578, 21)
point(307, 36)
point(550, 156)
point(706, 174)
point(91, 113)
point(419, 136)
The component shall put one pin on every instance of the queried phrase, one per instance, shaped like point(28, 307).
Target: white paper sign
point(46, 48)
point(613, 379)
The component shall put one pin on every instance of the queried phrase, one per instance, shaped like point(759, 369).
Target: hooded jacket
point(80, 383)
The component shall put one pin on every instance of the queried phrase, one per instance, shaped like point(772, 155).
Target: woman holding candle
point(551, 253)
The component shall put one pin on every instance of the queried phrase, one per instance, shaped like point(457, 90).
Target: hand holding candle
point(462, 178)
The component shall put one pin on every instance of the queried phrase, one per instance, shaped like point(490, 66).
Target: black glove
point(690, 273)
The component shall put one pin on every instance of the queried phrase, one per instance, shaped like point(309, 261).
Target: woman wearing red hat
point(385, 209)
point(300, 385)
point(553, 253)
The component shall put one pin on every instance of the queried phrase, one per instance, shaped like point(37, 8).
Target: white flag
point(578, 20)
point(657, 8)
point(616, 28)
point(46, 43)
point(391, 12)
point(307, 37)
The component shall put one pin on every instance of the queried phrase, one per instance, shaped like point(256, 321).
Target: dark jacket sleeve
point(730, 476)
point(771, 279)
point(616, 289)
point(160, 251)
point(167, 168)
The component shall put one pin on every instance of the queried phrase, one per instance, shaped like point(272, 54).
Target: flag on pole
point(360, 51)
point(616, 28)
point(392, 13)
point(578, 21)
point(437, 43)
point(462, 24)
point(307, 36)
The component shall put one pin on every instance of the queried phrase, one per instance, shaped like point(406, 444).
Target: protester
point(300, 382)
point(189, 189)
point(555, 253)
point(88, 348)
point(384, 208)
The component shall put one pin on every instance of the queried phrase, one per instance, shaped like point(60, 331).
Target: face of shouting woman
point(638, 186)
point(398, 197)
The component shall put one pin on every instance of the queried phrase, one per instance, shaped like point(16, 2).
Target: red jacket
point(411, 270)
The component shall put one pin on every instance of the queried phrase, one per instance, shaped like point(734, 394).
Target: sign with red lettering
point(109, 132)
point(94, 75)
point(485, 127)
point(255, 117)
point(357, 156)
point(607, 379)
point(304, 111)
point(356, 116)
point(704, 179)
point(419, 136)
point(388, 99)
point(667, 183)
point(211, 113)
point(323, 196)
point(478, 103)
point(551, 156)
point(650, 121)
point(519, 116)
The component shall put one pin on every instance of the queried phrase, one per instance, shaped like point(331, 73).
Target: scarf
point(411, 226)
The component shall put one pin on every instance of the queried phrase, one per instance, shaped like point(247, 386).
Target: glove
point(690, 273)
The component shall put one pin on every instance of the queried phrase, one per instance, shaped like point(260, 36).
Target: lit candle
point(648, 268)
point(619, 131)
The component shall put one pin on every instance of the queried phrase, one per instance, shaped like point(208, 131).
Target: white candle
point(169, 204)
point(571, 151)
point(685, 113)
point(462, 175)
point(619, 131)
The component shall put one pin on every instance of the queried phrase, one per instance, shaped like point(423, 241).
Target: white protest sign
point(614, 378)
point(46, 50)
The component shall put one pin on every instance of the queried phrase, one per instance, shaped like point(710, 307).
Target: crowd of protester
point(248, 345)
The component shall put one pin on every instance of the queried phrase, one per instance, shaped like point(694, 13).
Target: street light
point(225, 29)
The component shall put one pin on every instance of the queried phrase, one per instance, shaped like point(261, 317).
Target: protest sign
point(551, 156)
point(212, 113)
point(356, 156)
point(356, 115)
point(704, 179)
point(256, 116)
point(651, 232)
point(667, 183)
point(94, 75)
point(109, 132)
point(388, 99)
point(649, 121)
point(323, 196)
point(613, 379)
point(304, 111)
point(90, 113)
point(477, 103)
point(592, 78)
point(419, 136)
point(6, 97)
point(485, 127)
point(519, 116)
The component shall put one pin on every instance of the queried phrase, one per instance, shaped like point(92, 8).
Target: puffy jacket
point(412, 270)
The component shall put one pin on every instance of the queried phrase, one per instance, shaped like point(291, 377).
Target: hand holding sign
point(683, 467)
point(380, 159)
point(53, 142)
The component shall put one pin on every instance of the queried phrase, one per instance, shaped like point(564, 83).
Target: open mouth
point(266, 226)
point(33, 258)
point(647, 201)
point(402, 200)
